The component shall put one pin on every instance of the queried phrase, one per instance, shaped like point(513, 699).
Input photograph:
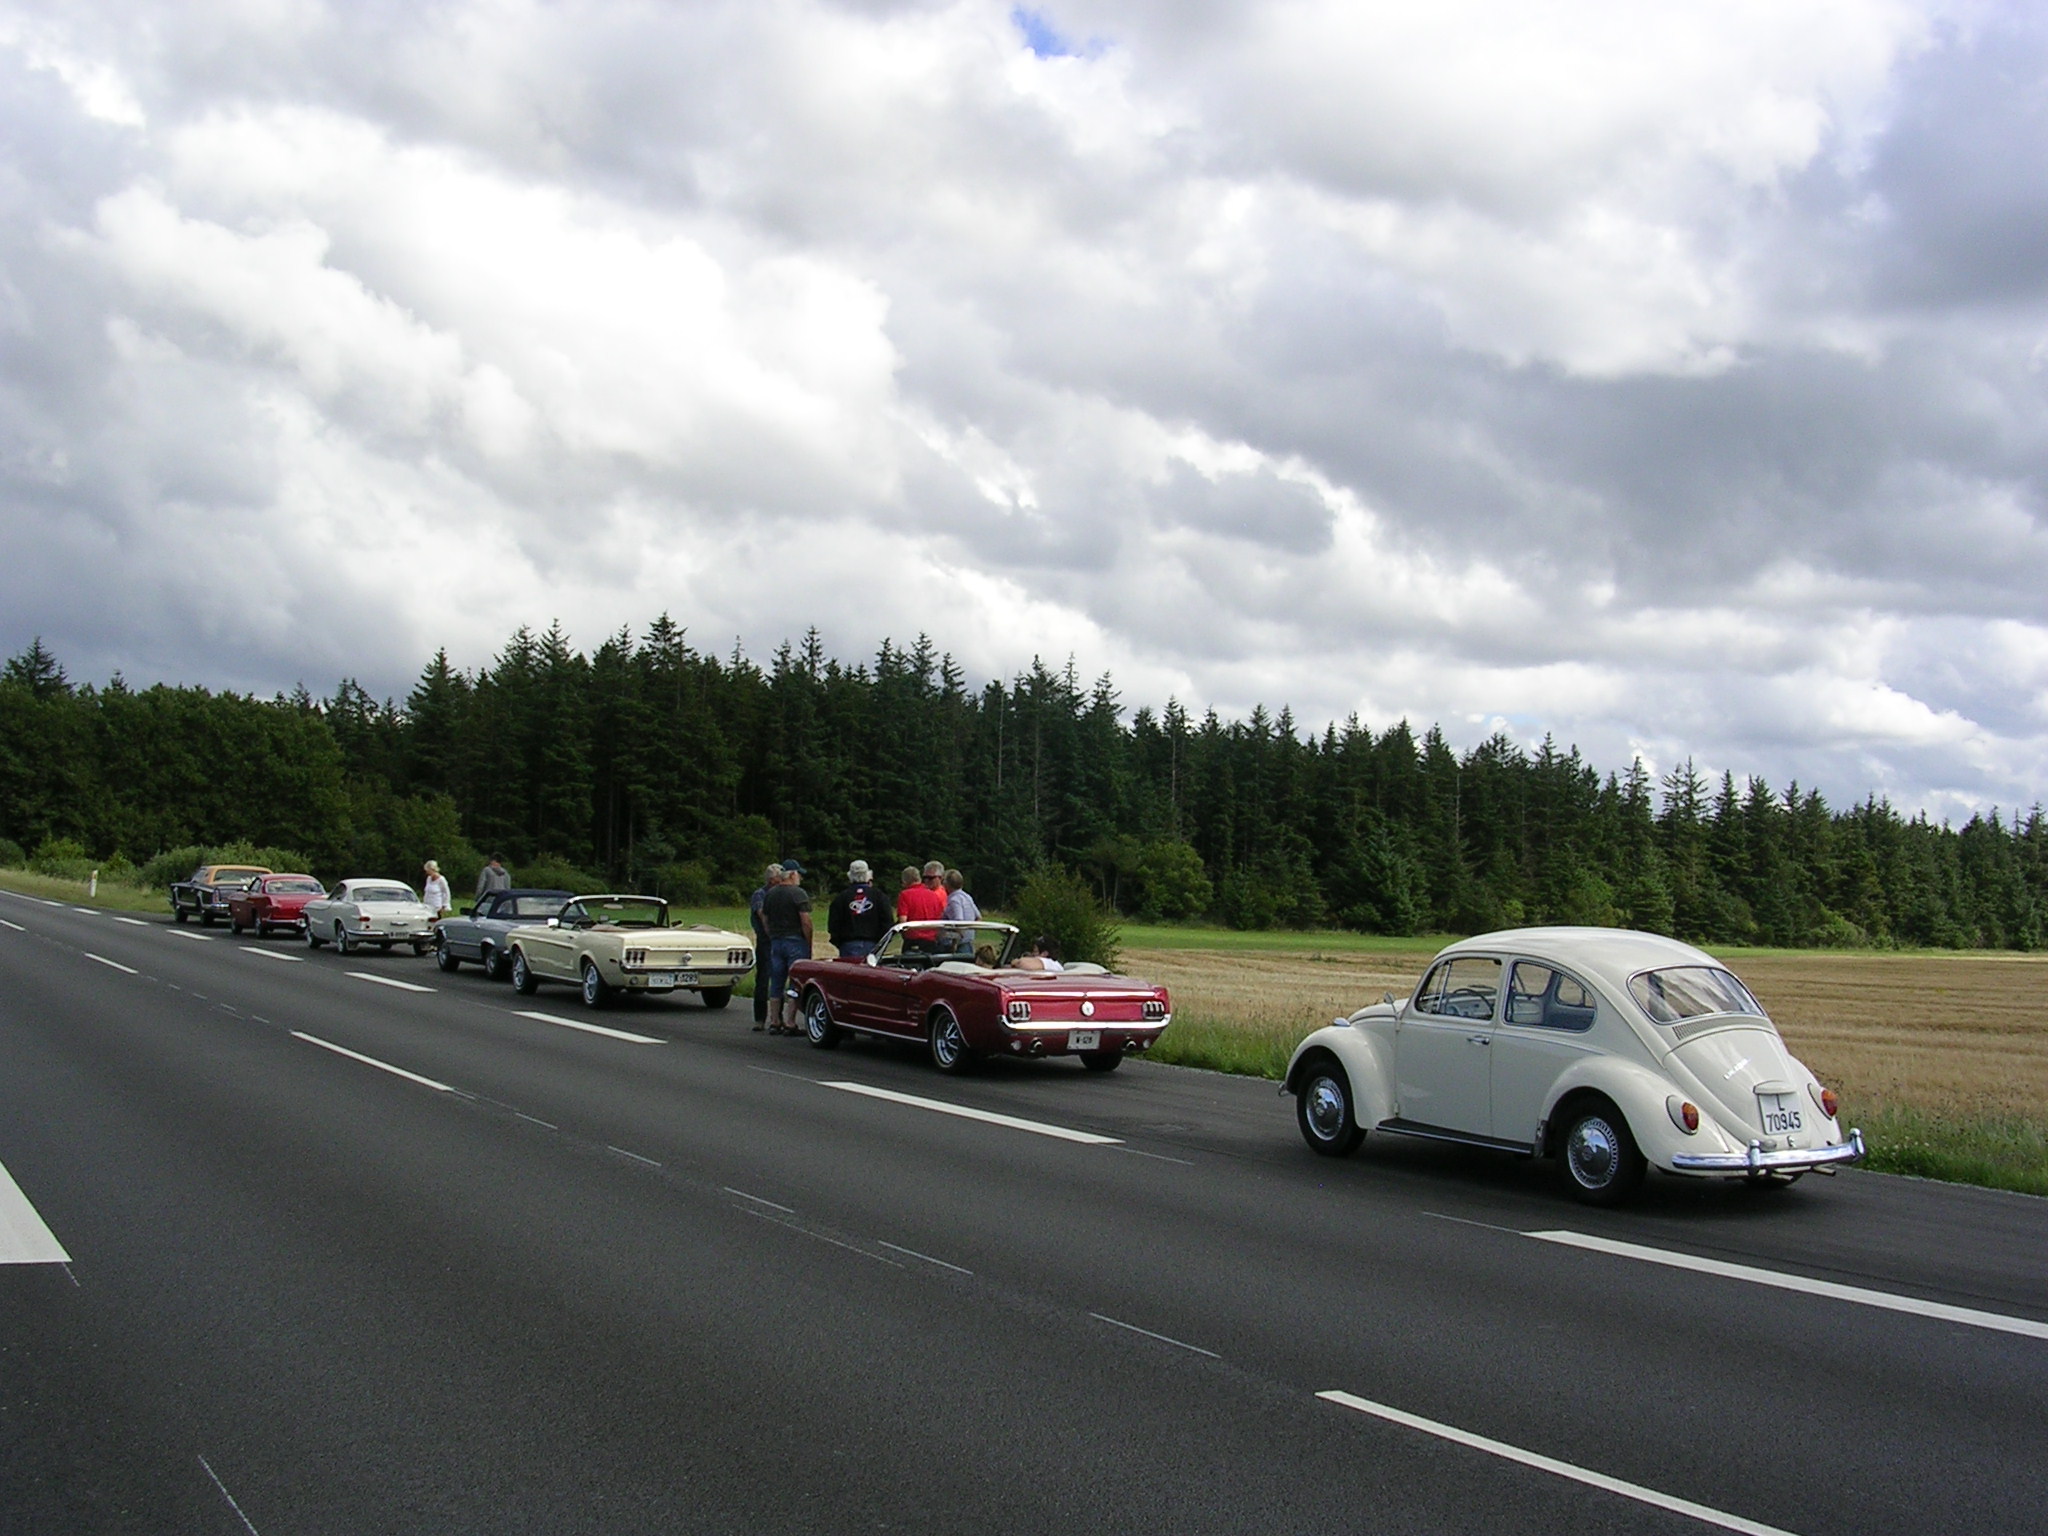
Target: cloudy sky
point(1669, 378)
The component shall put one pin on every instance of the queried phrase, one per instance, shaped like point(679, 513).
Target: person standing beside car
point(434, 892)
point(493, 877)
point(786, 913)
point(960, 907)
point(859, 915)
point(770, 878)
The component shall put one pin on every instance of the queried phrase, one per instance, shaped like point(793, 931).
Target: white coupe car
point(1610, 1050)
point(360, 912)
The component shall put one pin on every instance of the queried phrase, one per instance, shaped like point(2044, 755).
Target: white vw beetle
point(1608, 1049)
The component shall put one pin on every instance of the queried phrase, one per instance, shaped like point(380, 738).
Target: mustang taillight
point(739, 957)
point(1019, 1010)
point(636, 957)
point(1684, 1113)
point(1154, 1008)
point(1825, 1098)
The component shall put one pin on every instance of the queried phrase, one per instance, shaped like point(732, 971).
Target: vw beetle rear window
point(1690, 992)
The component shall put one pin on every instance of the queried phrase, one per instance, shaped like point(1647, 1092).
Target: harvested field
point(1939, 1034)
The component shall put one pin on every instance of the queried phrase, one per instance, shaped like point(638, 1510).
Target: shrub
point(61, 857)
point(175, 864)
point(1057, 903)
point(11, 855)
point(553, 872)
point(1175, 883)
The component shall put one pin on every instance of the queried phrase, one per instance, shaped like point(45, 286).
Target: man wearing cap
point(769, 880)
point(859, 915)
point(786, 914)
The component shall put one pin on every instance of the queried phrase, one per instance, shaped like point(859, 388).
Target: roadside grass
point(1996, 1151)
point(113, 895)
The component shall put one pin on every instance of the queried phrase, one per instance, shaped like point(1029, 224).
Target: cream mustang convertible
point(607, 945)
point(1608, 1049)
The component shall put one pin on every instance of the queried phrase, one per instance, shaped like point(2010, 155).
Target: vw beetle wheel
point(1323, 1108)
point(524, 982)
point(1599, 1160)
point(818, 1026)
point(595, 993)
point(949, 1045)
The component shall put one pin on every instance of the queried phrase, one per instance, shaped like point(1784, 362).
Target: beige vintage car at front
point(1611, 1050)
point(608, 945)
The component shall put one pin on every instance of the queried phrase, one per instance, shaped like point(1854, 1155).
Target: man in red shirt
point(926, 899)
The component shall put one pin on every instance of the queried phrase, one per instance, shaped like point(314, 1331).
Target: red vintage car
point(273, 901)
point(957, 988)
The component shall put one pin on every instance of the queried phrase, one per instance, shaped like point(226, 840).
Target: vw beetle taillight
point(1825, 1098)
point(1684, 1114)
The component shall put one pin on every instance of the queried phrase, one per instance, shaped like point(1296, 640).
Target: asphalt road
point(543, 1279)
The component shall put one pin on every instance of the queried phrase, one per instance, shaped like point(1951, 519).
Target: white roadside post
point(92, 886)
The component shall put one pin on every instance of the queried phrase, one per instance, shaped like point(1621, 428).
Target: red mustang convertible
point(274, 901)
point(955, 986)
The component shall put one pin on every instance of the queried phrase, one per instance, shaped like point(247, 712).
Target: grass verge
point(112, 895)
point(1996, 1151)
point(1257, 1049)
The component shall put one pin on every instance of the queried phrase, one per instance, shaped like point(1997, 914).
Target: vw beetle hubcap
point(1592, 1153)
point(1325, 1109)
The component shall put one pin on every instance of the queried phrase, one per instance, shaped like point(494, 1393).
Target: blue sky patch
point(1039, 35)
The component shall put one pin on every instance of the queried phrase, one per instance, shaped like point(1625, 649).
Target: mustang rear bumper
point(1756, 1160)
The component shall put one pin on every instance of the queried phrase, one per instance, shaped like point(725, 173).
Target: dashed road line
point(25, 1238)
point(272, 954)
point(785, 1209)
point(389, 981)
point(986, 1116)
point(1162, 1338)
point(15, 926)
point(247, 1524)
point(1968, 1316)
point(899, 1248)
point(1701, 1512)
point(592, 1029)
point(381, 1066)
point(186, 933)
point(132, 922)
point(88, 911)
point(650, 1162)
point(115, 964)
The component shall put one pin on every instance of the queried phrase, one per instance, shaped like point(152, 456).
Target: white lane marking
point(899, 1248)
point(271, 954)
point(181, 933)
point(939, 1106)
point(15, 926)
point(371, 1061)
point(823, 1237)
point(535, 1119)
point(650, 1162)
point(1969, 1316)
point(1541, 1463)
point(594, 1029)
point(786, 1210)
point(103, 960)
point(88, 911)
point(25, 1238)
point(1162, 1338)
point(388, 981)
point(132, 922)
point(223, 1487)
point(46, 901)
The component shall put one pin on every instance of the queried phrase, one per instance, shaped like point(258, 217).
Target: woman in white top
point(435, 892)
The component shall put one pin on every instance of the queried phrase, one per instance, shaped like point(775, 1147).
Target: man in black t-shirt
point(786, 914)
point(859, 915)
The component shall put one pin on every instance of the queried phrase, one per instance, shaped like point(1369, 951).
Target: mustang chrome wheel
point(949, 1045)
point(595, 993)
point(524, 981)
point(818, 1026)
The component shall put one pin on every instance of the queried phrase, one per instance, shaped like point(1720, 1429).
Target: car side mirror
point(869, 959)
point(469, 911)
point(554, 922)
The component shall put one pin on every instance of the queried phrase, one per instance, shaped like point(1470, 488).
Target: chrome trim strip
point(1400, 1127)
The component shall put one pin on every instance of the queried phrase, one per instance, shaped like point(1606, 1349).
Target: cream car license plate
point(1084, 1039)
point(1781, 1113)
point(662, 981)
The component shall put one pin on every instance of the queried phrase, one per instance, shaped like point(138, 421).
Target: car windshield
point(294, 885)
point(621, 911)
point(535, 907)
point(383, 893)
point(988, 945)
point(1691, 992)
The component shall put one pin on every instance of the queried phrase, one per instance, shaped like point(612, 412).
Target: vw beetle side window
point(1464, 988)
point(1543, 998)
